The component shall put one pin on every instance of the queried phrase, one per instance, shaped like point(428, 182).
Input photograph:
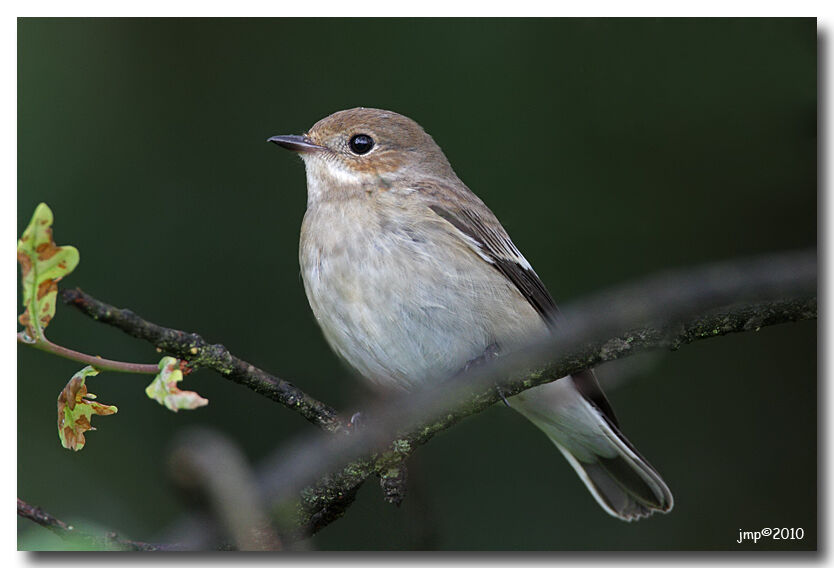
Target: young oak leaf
point(164, 388)
point(42, 265)
point(75, 407)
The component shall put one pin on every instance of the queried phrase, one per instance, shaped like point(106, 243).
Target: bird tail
point(619, 478)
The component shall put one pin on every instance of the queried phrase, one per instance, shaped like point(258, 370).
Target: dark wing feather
point(498, 249)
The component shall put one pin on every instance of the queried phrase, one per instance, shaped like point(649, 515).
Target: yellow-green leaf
point(75, 407)
point(42, 265)
point(165, 391)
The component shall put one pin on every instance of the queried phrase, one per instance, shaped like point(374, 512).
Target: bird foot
point(490, 353)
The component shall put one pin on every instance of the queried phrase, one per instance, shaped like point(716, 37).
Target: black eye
point(361, 143)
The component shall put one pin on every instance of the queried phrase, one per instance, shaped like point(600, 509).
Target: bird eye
point(361, 143)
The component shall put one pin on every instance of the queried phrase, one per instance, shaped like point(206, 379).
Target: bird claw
point(490, 353)
point(356, 420)
point(500, 392)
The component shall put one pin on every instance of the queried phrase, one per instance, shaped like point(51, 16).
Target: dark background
point(610, 149)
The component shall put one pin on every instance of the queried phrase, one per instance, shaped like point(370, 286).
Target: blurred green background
point(610, 149)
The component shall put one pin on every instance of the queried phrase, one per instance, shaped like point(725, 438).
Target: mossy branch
point(662, 313)
point(324, 500)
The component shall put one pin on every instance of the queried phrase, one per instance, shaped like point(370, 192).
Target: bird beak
point(296, 143)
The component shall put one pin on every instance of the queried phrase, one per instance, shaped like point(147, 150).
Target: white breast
point(404, 302)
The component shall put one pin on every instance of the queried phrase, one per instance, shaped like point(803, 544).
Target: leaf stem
point(99, 363)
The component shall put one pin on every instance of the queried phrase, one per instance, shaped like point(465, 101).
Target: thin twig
point(110, 541)
point(100, 363)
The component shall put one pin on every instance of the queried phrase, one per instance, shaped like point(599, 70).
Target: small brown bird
point(411, 277)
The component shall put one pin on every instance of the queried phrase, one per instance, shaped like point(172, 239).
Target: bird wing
point(493, 245)
point(491, 242)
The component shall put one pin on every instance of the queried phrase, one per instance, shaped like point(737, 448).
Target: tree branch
point(194, 349)
point(326, 498)
point(665, 312)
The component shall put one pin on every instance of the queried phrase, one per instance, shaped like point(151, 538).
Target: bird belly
point(405, 304)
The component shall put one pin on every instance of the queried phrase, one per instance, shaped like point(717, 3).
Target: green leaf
point(164, 388)
point(42, 265)
point(75, 407)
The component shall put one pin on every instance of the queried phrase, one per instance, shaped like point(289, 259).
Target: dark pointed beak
point(296, 143)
